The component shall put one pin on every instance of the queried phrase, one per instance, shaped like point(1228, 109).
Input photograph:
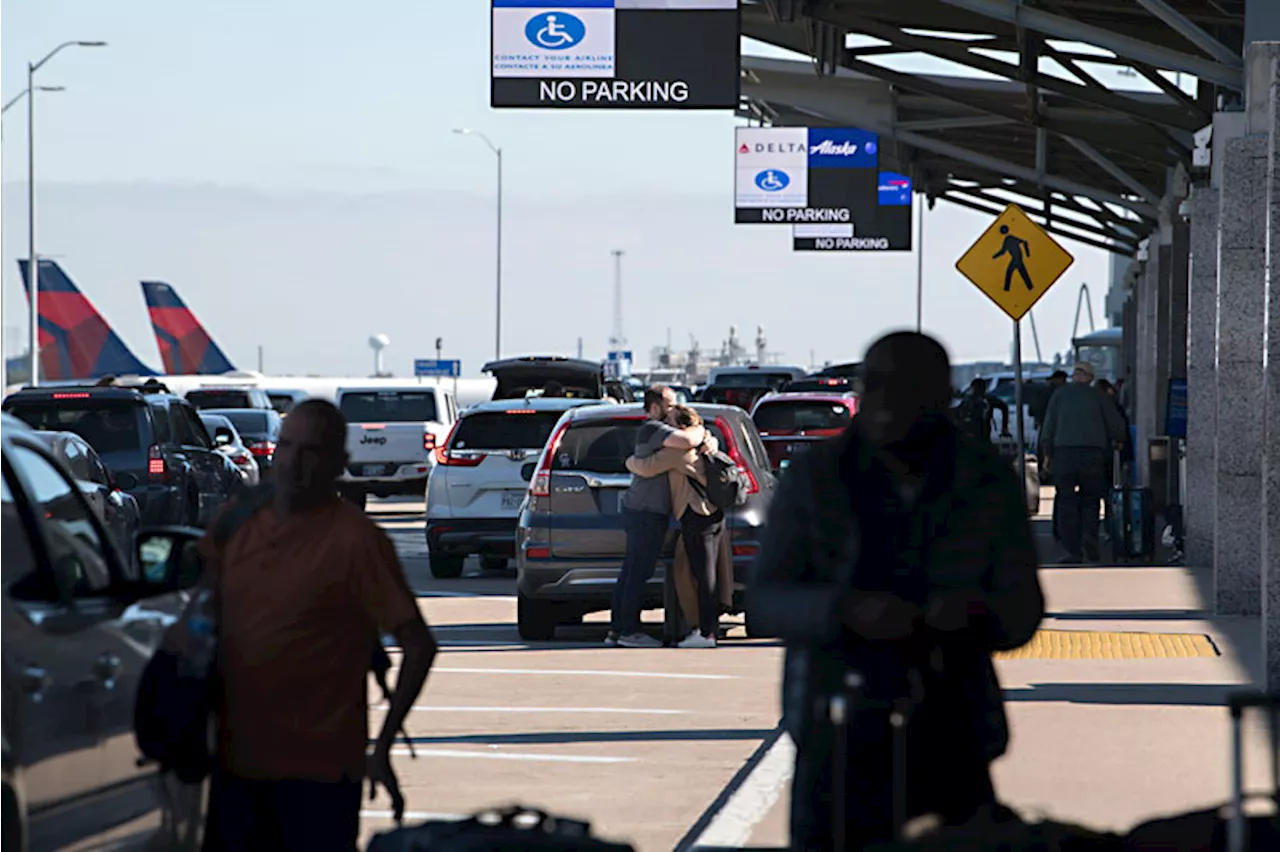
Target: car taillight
point(540, 486)
point(262, 448)
point(429, 441)
point(71, 396)
point(242, 459)
point(538, 553)
point(155, 463)
point(735, 452)
point(453, 458)
point(744, 550)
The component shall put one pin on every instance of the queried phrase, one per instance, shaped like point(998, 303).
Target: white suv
point(478, 485)
point(392, 435)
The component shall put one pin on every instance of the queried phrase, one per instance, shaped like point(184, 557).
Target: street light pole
point(4, 349)
point(33, 262)
point(497, 332)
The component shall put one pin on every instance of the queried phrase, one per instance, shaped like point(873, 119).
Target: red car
point(788, 422)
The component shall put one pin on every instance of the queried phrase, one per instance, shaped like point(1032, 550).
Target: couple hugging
point(670, 480)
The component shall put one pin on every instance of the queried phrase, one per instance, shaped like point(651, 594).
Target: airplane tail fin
point(75, 341)
point(184, 344)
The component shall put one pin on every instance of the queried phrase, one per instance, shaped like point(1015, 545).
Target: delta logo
point(744, 148)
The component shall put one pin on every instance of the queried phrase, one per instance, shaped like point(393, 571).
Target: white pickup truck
point(392, 435)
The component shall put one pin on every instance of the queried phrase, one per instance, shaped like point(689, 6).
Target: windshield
point(772, 381)
point(249, 422)
point(218, 398)
point(389, 406)
point(106, 425)
point(1104, 359)
point(602, 446)
point(801, 416)
point(527, 430)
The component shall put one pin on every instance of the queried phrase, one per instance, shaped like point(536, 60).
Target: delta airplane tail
point(75, 341)
point(185, 346)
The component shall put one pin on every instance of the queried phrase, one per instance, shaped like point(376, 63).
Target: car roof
point(226, 412)
point(542, 360)
point(386, 390)
point(608, 412)
point(808, 396)
point(209, 415)
point(537, 403)
point(107, 392)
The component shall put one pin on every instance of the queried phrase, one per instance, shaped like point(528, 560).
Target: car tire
point(494, 563)
point(535, 620)
point(447, 566)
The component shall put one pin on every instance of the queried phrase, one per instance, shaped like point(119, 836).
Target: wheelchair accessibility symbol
point(555, 30)
point(772, 180)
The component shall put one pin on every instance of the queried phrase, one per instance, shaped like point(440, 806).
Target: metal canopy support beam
point(1107, 165)
point(1230, 76)
point(1029, 73)
point(1043, 211)
point(959, 123)
point(994, 209)
point(1188, 30)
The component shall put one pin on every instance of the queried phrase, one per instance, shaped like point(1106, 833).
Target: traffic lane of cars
point(639, 742)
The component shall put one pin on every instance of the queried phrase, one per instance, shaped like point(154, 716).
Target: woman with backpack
point(701, 521)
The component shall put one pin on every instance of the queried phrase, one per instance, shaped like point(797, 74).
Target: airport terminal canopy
point(1040, 126)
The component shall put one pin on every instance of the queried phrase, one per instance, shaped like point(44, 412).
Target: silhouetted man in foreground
point(308, 583)
point(900, 551)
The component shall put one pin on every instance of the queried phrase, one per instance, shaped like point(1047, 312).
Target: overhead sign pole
point(1014, 263)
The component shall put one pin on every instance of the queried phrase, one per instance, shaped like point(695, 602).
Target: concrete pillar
point(1163, 335)
point(1202, 386)
point(1147, 299)
point(1270, 544)
point(1179, 280)
point(1237, 557)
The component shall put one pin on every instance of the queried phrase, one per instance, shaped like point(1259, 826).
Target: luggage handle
point(1238, 703)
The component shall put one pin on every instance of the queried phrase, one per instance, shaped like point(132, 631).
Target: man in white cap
point(1080, 429)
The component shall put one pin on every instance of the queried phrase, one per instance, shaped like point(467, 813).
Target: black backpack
point(727, 484)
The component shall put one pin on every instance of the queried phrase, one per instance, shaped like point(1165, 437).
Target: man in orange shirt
point(307, 585)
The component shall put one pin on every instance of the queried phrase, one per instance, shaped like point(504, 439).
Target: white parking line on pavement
point(589, 673)
point(751, 802)
point(417, 816)
point(511, 755)
point(626, 710)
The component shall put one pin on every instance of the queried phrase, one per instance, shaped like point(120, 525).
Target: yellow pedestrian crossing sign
point(1014, 262)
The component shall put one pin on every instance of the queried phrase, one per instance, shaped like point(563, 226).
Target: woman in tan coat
point(701, 523)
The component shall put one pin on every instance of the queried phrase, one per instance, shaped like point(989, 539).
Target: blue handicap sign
point(437, 367)
point(621, 355)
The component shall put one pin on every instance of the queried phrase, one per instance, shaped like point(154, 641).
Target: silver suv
point(475, 489)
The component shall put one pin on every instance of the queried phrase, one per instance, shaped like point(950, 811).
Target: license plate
point(512, 499)
point(372, 470)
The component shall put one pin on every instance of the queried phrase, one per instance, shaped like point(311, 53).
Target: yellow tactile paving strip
point(1108, 645)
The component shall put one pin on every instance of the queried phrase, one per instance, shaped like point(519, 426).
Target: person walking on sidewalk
point(646, 516)
point(900, 551)
point(1081, 427)
point(307, 584)
point(701, 522)
point(976, 413)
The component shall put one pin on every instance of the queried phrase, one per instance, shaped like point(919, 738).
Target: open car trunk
point(516, 377)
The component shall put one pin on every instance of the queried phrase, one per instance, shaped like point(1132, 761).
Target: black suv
point(152, 435)
point(79, 624)
point(569, 538)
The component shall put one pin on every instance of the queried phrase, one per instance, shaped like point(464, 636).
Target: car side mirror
point(527, 471)
point(124, 481)
point(169, 558)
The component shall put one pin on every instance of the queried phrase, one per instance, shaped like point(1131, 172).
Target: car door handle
point(106, 669)
point(35, 682)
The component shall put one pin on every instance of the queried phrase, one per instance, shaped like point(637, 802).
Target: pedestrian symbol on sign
point(1015, 247)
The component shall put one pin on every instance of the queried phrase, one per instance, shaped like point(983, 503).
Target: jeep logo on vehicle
point(373, 439)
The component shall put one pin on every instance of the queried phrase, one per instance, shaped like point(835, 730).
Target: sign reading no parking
point(615, 54)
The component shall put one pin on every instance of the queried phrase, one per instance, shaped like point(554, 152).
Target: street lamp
point(4, 108)
point(497, 333)
point(33, 263)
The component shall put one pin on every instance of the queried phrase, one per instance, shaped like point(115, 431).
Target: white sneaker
point(697, 640)
point(638, 640)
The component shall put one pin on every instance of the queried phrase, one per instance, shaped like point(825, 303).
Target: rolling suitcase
point(1130, 519)
point(512, 829)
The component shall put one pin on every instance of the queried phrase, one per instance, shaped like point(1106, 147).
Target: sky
point(290, 168)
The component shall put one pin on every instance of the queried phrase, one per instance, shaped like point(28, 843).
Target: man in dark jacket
point(900, 551)
point(1080, 430)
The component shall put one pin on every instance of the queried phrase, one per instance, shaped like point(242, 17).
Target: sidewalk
point(1113, 742)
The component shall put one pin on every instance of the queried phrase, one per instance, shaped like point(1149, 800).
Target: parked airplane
point(185, 346)
point(75, 341)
